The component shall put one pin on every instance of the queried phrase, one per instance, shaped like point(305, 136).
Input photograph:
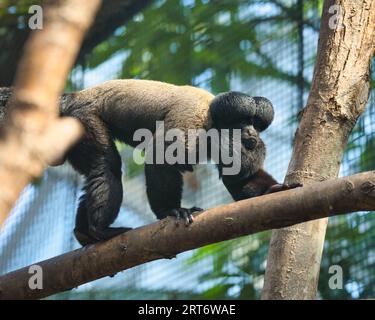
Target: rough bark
point(338, 97)
point(165, 239)
point(33, 134)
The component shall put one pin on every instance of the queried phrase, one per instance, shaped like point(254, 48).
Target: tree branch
point(164, 239)
point(33, 134)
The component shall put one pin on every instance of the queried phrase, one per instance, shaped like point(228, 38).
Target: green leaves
point(174, 42)
point(237, 267)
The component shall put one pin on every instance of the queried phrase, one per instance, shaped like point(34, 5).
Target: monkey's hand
point(282, 187)
point(183, 214)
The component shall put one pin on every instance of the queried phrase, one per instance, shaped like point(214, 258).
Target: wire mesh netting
point(277, 51)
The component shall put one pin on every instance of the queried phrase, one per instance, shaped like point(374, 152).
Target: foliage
point(13, 13)
point(237, 267)
point(343, 246)
point(204, 44)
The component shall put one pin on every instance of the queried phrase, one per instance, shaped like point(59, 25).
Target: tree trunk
point(338, 96)
point(165, 239)
point(33, 135)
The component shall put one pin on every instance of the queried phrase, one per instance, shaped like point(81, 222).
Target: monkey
point(116, 109)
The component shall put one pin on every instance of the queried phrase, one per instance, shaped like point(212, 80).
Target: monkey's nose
point(250, 130)
point(250, 143)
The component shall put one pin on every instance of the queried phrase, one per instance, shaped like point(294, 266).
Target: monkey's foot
point(107, 233)
point(95, 234)
point(83, 238)
point(184, 214)
point(282, 187)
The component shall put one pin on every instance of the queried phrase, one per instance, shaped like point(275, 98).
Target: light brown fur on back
point(132, 104)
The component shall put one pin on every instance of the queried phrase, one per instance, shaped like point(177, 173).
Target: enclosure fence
point(42, 222)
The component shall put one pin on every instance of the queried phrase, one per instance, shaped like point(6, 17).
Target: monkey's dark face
point(249, 135)
point(252, 115)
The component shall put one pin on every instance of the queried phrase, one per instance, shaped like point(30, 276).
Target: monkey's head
point(252, 115)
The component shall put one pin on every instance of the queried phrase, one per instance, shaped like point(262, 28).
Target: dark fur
point(108, 114)
point(5, 94)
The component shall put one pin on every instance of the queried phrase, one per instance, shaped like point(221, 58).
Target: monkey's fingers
point(282, 187)
point(193, 210)
point(196, 209)
point(187, 216)
point(175, 213)
point(294, 185)
point(184, 214)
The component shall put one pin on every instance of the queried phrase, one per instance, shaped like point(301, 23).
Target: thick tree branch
point(164, 239)
point(33, 134)
point(338, 96)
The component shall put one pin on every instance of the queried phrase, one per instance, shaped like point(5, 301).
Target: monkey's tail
point(6, 93)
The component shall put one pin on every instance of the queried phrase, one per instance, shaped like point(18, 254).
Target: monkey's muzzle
point(250, 143)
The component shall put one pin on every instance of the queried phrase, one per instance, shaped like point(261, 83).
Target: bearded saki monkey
point(117, 108)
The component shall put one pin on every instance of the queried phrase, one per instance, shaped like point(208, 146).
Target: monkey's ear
point(264, 113)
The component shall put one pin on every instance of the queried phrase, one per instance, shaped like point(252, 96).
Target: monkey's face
point(249, 135)
point(235, 110)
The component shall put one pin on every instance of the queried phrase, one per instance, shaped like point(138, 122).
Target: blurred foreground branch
point(33, 135)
